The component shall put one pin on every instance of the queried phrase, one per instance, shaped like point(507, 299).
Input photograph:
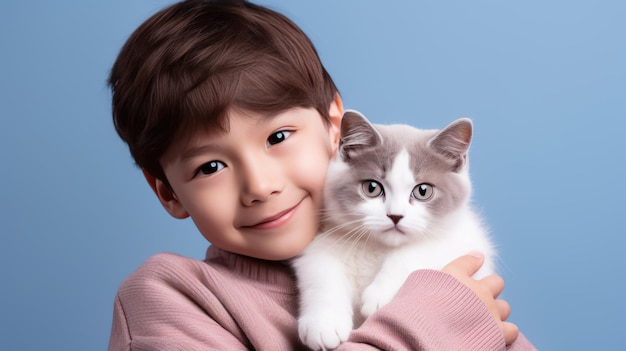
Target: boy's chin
point(286, 253)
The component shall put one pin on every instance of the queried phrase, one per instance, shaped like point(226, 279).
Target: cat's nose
point(395, 218)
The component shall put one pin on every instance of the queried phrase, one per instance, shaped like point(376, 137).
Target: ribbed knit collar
point(275, 273)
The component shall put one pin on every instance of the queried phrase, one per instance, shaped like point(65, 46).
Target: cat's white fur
point(361, 258)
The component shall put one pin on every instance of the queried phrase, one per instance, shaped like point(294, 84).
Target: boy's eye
point(210, 167)
point(278, 137)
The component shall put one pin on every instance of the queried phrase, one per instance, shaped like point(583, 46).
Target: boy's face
point(257, 189)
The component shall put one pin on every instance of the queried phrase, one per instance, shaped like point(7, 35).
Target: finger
point(495, 283)
point(504, 309)
point(466, 265)
point(510, 331)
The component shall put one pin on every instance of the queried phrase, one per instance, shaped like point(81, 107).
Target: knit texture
point(232, 302)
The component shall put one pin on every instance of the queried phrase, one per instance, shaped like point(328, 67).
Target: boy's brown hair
point(185, 67)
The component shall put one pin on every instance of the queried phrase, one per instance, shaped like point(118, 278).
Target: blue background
point(544, 81)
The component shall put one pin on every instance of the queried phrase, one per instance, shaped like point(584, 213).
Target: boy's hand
point(487, 289)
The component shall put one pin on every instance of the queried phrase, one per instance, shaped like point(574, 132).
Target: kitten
point(396, 200)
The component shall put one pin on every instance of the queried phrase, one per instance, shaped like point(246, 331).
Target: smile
point(277, 220)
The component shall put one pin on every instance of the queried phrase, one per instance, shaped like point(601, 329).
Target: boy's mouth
point(276, 220)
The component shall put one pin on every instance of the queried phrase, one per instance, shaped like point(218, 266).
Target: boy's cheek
point(312, 173)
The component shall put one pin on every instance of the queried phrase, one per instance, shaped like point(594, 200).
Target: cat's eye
point(210, 167)
point(372, 188)
point(278, 137)
point(423, 192)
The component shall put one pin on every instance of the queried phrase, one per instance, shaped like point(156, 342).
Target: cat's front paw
point(324, 329)
point(375, 296)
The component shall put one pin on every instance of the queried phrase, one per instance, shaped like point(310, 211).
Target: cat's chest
point(364, 263)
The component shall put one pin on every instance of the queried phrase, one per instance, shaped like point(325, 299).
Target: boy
point(233, 119)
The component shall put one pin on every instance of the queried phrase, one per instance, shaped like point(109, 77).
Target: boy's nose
point(260, 182)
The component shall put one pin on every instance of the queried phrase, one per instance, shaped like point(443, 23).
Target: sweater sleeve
point(156, 310)
point(120, 335)
point(432, 311)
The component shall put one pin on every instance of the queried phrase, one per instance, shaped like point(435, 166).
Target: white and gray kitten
point(396, 200)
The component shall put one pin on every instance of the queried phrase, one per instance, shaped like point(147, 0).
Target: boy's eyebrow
point(195, 151)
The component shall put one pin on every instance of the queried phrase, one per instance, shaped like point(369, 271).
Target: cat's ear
point(453, 142)
point(357, 134)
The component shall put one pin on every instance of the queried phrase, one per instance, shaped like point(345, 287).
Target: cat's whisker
point(340, 227)
point(342, 239)
point(355, 237)
point(351, 235)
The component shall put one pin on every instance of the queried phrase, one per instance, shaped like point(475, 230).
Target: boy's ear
point(166, 196)
point(336, 113)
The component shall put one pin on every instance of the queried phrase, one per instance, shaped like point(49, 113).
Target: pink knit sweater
point(231, 302)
